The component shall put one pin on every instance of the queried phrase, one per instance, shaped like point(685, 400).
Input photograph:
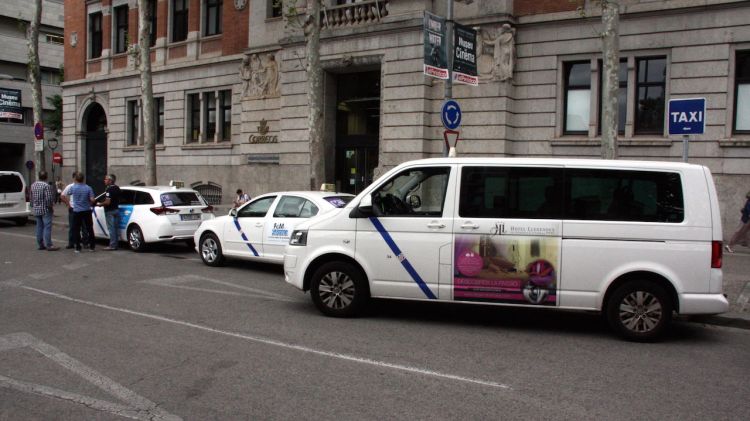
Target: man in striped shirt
point(42, 199)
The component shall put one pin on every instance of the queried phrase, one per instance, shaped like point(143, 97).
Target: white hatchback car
point(155, 214)
point(13, 197)
point(260, 229)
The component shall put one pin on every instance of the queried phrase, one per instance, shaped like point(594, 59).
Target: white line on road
point(12, 234)
point(273, 342)
point(179, 281)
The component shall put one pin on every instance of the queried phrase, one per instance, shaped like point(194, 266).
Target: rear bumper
point(14, 214)
point(703, 304)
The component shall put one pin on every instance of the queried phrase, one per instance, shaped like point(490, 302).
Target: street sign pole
point(685, 143)
point(449, 39)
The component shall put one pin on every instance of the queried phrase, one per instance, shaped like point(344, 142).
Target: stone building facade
point(234, 103)
point(17, 128)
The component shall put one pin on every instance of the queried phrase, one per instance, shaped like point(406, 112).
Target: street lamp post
point(52, 144)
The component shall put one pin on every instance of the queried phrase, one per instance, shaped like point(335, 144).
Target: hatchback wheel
point(339, 289)
point(639, 311)
point(210, 250)
point(21, 221)
point(135, 239)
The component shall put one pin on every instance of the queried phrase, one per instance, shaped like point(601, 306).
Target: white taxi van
point(635, 241)
point(153, 214)
point(14, 200)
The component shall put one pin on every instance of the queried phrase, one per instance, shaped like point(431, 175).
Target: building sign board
point(10, 104)
point(263, 136)
point(435, 51)
point(465, 55)
point(687, 116)
point(263, 158)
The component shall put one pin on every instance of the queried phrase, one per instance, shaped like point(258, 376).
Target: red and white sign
point(57, 158)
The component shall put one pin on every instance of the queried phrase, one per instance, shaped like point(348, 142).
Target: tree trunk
point(610, 82)
point(34, 77)
point(147, 92)
point(315, 94)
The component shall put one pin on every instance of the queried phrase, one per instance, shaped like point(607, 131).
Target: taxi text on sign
point(687, 116)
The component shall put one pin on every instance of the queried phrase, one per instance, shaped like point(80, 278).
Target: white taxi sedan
point(155, 214)
point(260, 229)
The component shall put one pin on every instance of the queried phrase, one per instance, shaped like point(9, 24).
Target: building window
point(577, 97)
point(121, 29)
point(274, 9)
point(50, 77)
point(622, 95)
point(133, 123)
point(209, 116)
point(742, 93)
point(55, 39)
point(179, 20)
point(152, 18)
point(212, 22)
point(194, 105)
point(651, 75)
point(95, 35)
point(226, 115)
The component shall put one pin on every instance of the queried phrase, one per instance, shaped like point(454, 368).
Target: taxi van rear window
point(180, 199)
point(10, 183)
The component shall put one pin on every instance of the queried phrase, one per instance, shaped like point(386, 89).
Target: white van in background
point(632, 240)
point(13, 198)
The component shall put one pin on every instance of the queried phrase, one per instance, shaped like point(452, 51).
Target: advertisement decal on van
point(506, 269)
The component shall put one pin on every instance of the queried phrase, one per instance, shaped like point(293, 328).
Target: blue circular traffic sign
point(38, 131)
point(451, 115)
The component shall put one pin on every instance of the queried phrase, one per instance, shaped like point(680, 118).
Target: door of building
point(357, 130)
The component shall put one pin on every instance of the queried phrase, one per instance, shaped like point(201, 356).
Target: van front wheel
point(639, 311)
point(339, 289)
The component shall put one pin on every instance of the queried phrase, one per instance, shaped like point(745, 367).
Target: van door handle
point(435, 225)
point(469, 225)
point(258, 224)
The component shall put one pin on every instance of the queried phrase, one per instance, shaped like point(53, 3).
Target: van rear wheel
point(639, 311)
point(21, 221)
point(339, 289)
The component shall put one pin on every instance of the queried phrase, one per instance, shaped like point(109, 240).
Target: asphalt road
point(159, 335)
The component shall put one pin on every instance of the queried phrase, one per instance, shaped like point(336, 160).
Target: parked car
point(155, 214)
point(260, 229)
point(13, 198)
point(633, 240)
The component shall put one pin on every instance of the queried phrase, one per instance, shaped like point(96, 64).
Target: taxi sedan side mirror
point(233, 212)
point(364, 209)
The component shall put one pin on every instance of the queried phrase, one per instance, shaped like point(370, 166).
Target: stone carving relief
point(260, 76)
point(496, 52)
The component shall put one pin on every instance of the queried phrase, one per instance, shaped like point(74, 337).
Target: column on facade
point(106, 58)
point(204, 117)
point(218, 135)
point(194, 27)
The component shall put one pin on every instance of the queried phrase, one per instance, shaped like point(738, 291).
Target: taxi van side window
point(416, 192)
point(501, 192)
point(621, 195)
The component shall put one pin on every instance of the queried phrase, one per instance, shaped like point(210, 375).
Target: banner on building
point(465, 55)
point(435, 54)
point(10, 104)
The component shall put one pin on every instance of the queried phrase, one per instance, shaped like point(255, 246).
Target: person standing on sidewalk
point(42, 200)
point(744, 229)
point(111, 206)
point(83, 198)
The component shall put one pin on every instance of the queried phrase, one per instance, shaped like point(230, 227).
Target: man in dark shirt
point(111, 206)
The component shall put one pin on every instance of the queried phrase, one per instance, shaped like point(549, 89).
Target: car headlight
point(298, 238)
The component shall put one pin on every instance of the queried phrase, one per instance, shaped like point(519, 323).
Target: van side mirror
point(364, 209)
point(233, 212)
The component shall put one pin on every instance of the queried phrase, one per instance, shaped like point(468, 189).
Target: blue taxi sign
point(687, 116)
point(451, 115)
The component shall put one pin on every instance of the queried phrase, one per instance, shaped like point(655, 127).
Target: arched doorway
point(95, 124)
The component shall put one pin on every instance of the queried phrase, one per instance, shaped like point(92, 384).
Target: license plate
point(190, 217)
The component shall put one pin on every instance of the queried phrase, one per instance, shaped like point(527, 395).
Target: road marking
point(280, 344)
point(12, 234)
point(177, 281)
point(138, 407)
point(75, 266)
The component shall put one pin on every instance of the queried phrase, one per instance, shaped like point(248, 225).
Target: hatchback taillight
point(716, 254)
point(163, 210)
point(208, 209)
point(28, 196)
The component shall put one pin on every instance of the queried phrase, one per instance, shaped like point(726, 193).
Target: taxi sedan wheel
point(339, 289)
point(210, 250)
point(135, 239)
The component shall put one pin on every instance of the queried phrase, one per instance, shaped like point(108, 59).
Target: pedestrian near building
point(82, 197)
point(111, 205)
point(741, 234)
point(59, 186)
point(42, 201)
point(241, 198)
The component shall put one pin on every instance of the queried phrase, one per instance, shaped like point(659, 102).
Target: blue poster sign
point(451, 115)
point(687, 116)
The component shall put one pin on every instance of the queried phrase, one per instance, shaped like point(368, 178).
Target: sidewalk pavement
point(736, 270)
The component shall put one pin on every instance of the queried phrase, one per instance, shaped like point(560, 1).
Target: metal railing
point(354, 14)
